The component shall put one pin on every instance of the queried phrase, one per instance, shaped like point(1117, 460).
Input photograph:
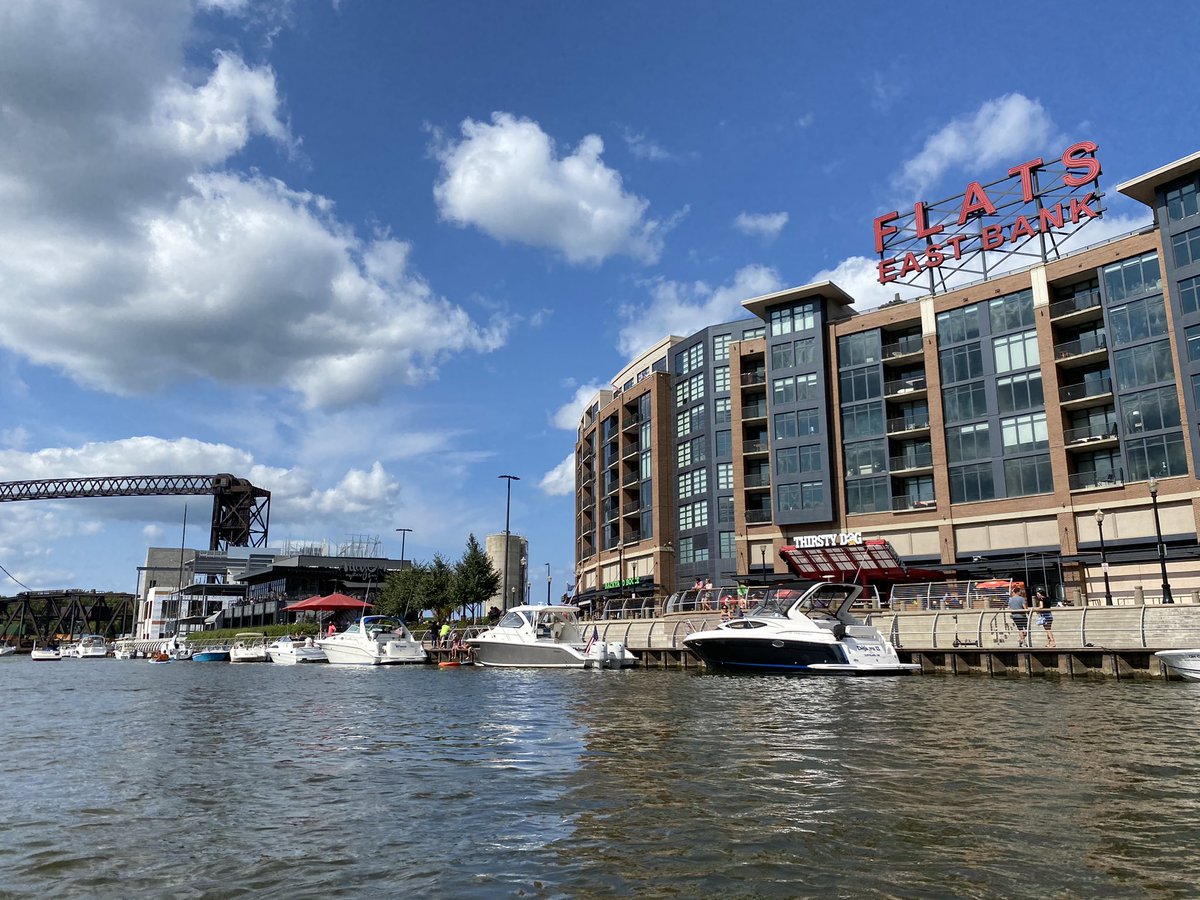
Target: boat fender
point(839, 631)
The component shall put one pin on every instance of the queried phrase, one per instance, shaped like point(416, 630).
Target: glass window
point(861, 421)
point(724, 509)
point(724, 444)
point(1148, 364)
point(1028, 475)
point(868, 495)
point(725, 476)
point(958, 325)
point(1151, 410)
point(1012, 312)
point(796, 317)
point(1186, 247)
point(1018, 392)
point(1138, 320)
point(721, 413)
point(783, 355)
point(858, 349)
point(1021, 434)
point(1181, 201)
point(785, 424)
point(721, 379)
point(806, 387)
point(806, 351)
point(1015, 351)
point(787, 461)
point(808, 422)
point(806, 495)
point(970, 484)
point(728, 548)
point(968, 442)
point(689, 360)
point(1193, 342)
point(683, 454)
point(810, 458)
point(783, 390)
point(751, 333)
point(866, 458)
point(962, 362)
point(1189, 294)
point(860, 384)
point(1159, 455)
point(721, 346)
point(693, 482)
point(1129, 277)
point(693, 515)
point(646, 464)
point(968, 401)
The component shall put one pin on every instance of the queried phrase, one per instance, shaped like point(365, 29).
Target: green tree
point(475, 578)
point(404, 592)
point(439, 588)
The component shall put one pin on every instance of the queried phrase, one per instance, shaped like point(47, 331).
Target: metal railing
point(911, 461)
point(757, 480)
point(754, 411)
point(905, 502)
point(1080, 346)
point(758, 516)
point(758, 445)
point(1070, 392)
point(1080, 481)
point(1078, 303)
point(904, 423)
point(905, 346)
point(1097, 431)
point(756, 377)
point(904, 385)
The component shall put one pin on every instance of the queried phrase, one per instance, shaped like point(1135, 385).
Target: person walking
point(1018, 608)
point(445, 634)
point(1045, 617)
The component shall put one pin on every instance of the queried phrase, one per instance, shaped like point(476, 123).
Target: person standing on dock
point(1018, 608)
point(1045, 617)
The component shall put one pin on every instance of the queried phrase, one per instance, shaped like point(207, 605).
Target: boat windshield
point(513, 620)
point(822, 599)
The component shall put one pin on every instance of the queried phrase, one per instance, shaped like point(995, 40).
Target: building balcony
point(910, 462)
point(758, 516)
point(631, 509)
point(755, 446)
point(757, 480)
point(1081, 350)
point(631, 422)
point(1084, 481)
point(904, 348)
point(632, 536)
point(1081, 307)
point(1090, 436)
point(900, 504)
point(907, 424)
point(630, 479)
point(757, 377)
point(1086, 393)
point(906, 387)
point(631, 449)
point(754, 411)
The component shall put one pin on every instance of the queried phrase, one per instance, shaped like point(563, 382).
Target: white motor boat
point(288, 652)
point(804, 629)
point(46, 653)
point(373, 641)
point(249, 646)
point(7, 649)
point(89, 646)
point(123, 651)
point(1184, 663)
point(548, 637)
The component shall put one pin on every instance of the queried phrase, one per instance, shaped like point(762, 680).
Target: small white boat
point(46, 653)
point(804, 629)
point(373, 641)
point(249, 646)
point(1183, 663)
point(548, 637)
point(89, 646)
point(7, 649)
point(288, 652)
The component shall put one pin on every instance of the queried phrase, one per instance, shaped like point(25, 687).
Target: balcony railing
point(1107, 479)
point(757, 480)
point(911, 461)
point(905, 346)
point(1089, 434)
point(1070, 392)
point(632, 537)
point(631, 478)
point(631, 449)
point(631, 421)
point(759, 445)
point(903, 424)
point(905, 502)
point(1087, 344)
point(758, 515)
point(630, 508)
point(756, 377)
point(1078, 303)
point(754, 411)
point(904, 385)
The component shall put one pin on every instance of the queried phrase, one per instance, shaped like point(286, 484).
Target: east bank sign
point(970, 235)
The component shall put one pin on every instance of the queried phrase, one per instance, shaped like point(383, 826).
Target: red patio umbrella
point(333, 602)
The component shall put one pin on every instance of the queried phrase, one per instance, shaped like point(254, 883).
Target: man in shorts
point(1018, 609)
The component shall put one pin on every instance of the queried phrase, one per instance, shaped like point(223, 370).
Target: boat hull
point(513, 654)
point(211, 656)
point(1184, 663)
point(721, 650)
point(345, 653)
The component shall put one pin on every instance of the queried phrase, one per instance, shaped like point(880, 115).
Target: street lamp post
point(1103, 558)
point(507, 504)
point(403, 534)
point(547, 584)
point(762, 555)
point(1162, 550)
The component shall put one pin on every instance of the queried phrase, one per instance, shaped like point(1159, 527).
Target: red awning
point(872, 560)
point(332, 602)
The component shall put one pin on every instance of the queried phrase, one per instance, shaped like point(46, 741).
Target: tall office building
point(1026, 425)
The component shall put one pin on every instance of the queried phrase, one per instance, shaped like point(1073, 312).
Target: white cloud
point(146, 262)
point(506, 179)
point(567, 416)
point(646, 148)
point(765, 224)
point(683, 308)
point(560, 481)
point(1001, 130)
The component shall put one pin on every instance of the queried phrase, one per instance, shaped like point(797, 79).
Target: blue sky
point(373, 255)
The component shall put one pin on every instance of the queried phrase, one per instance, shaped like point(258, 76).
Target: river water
point(124, 779)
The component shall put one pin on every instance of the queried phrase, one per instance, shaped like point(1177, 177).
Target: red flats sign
point(1037, 200)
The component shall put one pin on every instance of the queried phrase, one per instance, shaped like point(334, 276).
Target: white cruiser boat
point(548, 637)
point(7, 649)
point(288, 652)
point(373, 641)
point(1184, 663)
point(805, 629)
point(89, 646)
point(45, 653)
point(248, 646)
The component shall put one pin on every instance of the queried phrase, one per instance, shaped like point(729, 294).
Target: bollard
point(1196, 597)
point(1139, 596)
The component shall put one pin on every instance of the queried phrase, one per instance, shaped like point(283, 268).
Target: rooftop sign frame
point(968, 237)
